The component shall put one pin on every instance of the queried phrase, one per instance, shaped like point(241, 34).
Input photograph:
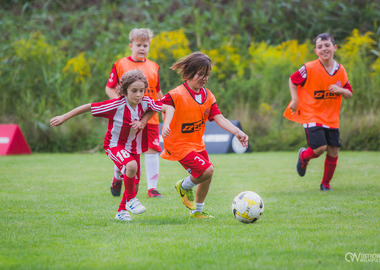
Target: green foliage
point(60, 215)
point(57, 55)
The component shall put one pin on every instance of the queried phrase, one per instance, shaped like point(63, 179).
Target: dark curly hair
point(130, 77)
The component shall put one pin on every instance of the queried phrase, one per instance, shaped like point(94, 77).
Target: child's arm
point(159, 96)
point(59, 120)
point(112, 92)
point(144, 120)
point(228, 126)
point(169, 112)
point(340, 91)
point(294, 93)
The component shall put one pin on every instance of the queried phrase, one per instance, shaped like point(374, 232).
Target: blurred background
point(56, 55)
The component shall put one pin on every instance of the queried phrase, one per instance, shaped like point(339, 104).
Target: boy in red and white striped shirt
point(126, 137)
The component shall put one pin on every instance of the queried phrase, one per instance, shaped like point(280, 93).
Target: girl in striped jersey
point(126, 137)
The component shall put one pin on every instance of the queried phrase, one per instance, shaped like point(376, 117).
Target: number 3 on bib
point(202, 161)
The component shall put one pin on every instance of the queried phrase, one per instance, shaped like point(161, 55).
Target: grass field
point(57, 212)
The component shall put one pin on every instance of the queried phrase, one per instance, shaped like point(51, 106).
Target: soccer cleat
point(135, 206)
point(187, 196)
point(202, 214)
point(153, 193)
point(324, 188)
point(123, 215)
point(116, 187)
point(301, 165)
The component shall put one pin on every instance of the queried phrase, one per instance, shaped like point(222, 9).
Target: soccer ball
point(247, 207)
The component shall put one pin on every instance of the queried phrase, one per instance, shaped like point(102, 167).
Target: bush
point(57, 56)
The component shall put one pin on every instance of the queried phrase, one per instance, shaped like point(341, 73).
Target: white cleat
point(135, 206)
point(123, 215)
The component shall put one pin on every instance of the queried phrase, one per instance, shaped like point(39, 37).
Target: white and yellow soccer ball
point(247, 207)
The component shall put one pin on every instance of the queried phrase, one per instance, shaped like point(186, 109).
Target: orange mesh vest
point(150, 70)
point(316, 103)
point(188, 124)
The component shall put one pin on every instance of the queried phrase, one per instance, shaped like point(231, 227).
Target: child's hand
point(335, 89)
point(165, 130)
point(137, 125)
point(57, 121)
point(243, 138)
point(293, 106)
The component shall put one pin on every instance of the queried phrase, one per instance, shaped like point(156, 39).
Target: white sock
point(187, 183)
point(199, 207)
point(117, 173)
point(152, 168)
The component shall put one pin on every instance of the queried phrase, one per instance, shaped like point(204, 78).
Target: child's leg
point(204, 185)
point(128, 166)
point(117, 181)
point(316, 139)
point(129, 184)
point(129, 179)
point(317, 142)
point(152, 167)
point(201, 170)
point(152, 161)
point(138, 174)
point(309, 153)
point(332, 136)
point(330, 165)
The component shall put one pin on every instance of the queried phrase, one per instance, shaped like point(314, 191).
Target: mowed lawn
point(57, 212)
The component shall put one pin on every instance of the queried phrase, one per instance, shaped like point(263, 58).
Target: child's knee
point(131, 168)
point(209, 172)
point(320, 150)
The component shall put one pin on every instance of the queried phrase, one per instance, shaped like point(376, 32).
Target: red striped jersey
point(120, 116)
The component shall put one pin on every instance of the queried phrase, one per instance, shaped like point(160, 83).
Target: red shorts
point(122, 157)
point(154, 137)
point(196, 163)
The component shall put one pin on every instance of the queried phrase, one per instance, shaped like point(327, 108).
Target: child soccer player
point(124, 140)
point(194, 105)
point(317, 89)
point(139, 44)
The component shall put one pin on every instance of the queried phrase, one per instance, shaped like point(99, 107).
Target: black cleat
point(301, 166)
point(116, 187)
point(323, 188)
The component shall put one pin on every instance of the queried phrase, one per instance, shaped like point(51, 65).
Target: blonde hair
point(140, 34)
point(130, 77)
point(192, 64)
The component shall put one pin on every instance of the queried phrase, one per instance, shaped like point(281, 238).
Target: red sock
point(330, 165)
point(123, 202)
point(129, 192)
point(129, 183)
point(308, 154)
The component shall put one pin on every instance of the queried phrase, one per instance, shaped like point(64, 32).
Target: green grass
point(56, 212)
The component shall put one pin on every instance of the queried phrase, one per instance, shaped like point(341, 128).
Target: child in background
point(139, 43)
point(317, 89)
point(194, 105)
point(125, 139)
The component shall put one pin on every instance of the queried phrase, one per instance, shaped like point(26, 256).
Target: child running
point(317, 89)
point(139, 43)
point(194, 105)
point(124, 140)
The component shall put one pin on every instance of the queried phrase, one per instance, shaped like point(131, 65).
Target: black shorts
point(320, 136)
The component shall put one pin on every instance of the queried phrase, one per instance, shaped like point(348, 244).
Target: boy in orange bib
point(317, 89)
point(194, 105)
